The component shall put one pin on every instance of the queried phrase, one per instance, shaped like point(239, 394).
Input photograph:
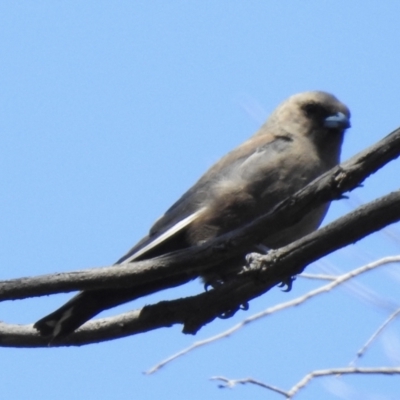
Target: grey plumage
point(300, 141)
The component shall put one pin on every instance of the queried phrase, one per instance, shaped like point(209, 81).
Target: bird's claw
point(288, 282)
point(214, 284)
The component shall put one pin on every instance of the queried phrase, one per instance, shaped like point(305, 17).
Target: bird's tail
point(89, 303)
point(75, 312)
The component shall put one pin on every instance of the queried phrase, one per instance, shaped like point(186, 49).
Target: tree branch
point(192, 261)
point(196, 311)
point(264, 272)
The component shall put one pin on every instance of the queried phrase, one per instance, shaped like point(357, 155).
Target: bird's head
point(307, 112)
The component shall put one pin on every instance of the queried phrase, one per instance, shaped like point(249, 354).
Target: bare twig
point(279, 307)
point(230, 383)
point(340, 371)
point(374, 336)
point(307, 378)
point(319, 277)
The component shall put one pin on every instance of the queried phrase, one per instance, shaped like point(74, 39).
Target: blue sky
point(109, 111)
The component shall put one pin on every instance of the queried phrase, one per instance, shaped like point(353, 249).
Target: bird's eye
point(315, 110)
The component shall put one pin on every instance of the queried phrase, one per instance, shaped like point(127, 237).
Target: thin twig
point(374, 336)
point(279, 307)
point(340, 371)
point(229, 383)
point(320, 277)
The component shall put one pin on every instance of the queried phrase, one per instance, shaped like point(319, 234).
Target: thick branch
point(168, 269)
point(196, 311)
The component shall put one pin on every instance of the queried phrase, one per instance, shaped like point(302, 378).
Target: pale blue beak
point(337, 121)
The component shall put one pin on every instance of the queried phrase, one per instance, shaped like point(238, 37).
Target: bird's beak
point(337, 121)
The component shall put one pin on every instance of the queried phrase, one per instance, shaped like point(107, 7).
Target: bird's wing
point(168, 232)
point(175, 229)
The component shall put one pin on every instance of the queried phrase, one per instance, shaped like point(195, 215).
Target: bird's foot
point(254, 261)
point(230, 313)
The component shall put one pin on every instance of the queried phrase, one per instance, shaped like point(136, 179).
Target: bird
point(300, 141)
